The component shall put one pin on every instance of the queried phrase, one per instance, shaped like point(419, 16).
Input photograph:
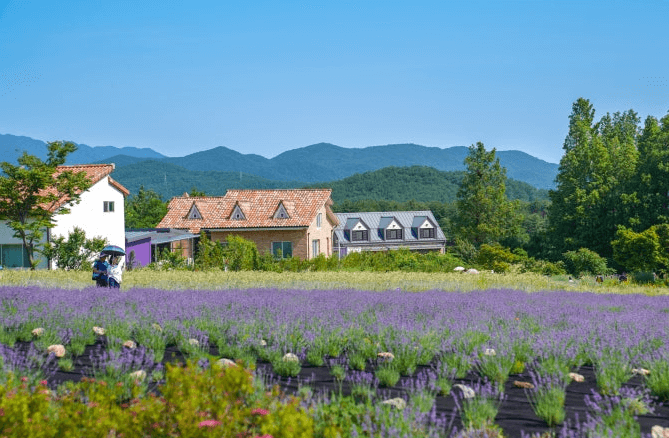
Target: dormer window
point(358, 235)
point(425, 227)
point(237, 214)
point(194, 213)
point(427, 233)
point(390, 228)
point(281, 212)
point(394, 234)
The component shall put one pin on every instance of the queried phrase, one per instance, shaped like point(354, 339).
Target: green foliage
point(224, 397)
point(485, 215)
point(144, 210)
point(31, 190)
point(388, 375)
point(75, 252)
point(585, 261)
point(241, 254)
point(210, 254)
point(171, 260)
point(636, 251)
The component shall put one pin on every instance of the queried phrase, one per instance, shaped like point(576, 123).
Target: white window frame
point(108, 206)
point(315, 247)
point(319, 220)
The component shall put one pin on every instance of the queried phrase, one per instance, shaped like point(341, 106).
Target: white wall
point(89, 215)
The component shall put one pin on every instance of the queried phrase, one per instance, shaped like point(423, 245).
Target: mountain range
point(317, 163)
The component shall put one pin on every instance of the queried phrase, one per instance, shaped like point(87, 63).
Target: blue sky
point(266, 77)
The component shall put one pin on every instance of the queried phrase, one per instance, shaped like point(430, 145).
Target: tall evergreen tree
point(484, 214)
point(594, 178)
point(651, 182)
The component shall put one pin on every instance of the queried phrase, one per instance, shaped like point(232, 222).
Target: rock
point(399, 403)
point(490, 352)
point(458, 269)
point(225, 363)
point(472, 271)
point(386, 356)
point(576, 377)
point(467, 392)
point(659, 432)
point(290, 357)
point(57, 349)
point(130, 344)
point(640, 371)
point(99, 331)
point(193, 342)
point(139, 375)
point(263, 343)
point(37, 332)
point(524, 385)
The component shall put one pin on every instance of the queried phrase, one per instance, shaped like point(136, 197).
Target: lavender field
point(482, 363)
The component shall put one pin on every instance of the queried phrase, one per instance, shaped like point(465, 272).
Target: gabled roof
point(380, 220)
point(94, 173)
point(258, 207)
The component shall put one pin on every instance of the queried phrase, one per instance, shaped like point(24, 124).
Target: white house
point(100, 212)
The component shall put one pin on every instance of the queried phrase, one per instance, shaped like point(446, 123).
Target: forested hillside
point(418, 183)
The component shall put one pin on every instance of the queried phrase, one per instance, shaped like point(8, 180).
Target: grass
point(406, 281)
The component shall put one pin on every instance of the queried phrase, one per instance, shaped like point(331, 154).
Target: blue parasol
point(113, 250)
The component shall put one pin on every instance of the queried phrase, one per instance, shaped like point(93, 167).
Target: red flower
point(259, 411)
point(209, 423)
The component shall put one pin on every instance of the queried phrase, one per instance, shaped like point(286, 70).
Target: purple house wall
point(142, 248)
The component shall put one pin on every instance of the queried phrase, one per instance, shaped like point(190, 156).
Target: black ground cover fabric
point(515, 413)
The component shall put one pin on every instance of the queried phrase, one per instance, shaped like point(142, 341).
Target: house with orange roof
point(286, 222)
point(100, 212)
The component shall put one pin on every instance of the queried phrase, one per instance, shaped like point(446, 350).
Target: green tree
point(145, 210)
point(636, 251)
point(74, 252)
point(31, 194)
point(651, 183)
point(595, 174)
point(484, 213)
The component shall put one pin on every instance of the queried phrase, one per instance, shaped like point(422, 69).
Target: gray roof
point(158, 235)
point(380, 220)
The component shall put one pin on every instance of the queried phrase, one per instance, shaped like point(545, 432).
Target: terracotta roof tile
point(258, 207)
point(94, 172)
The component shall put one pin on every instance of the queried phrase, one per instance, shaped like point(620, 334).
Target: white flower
point(98, 331)
point(57, 349)
point(39, 331)
point(193, 342)
point(490, 352)
point(263, 343)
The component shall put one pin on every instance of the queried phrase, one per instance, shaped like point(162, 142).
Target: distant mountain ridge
point(419, 183)
point(316, 163)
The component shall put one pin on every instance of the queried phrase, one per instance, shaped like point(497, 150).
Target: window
point(319, 219)
point(315, 247)
point(427, 233)
point(282, 249)
point(108, 206)
point(359, 235)
point(393, 234)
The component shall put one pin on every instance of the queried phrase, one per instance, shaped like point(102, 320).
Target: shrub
point(241, 254)
point(75, 252)
point(585, 261)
